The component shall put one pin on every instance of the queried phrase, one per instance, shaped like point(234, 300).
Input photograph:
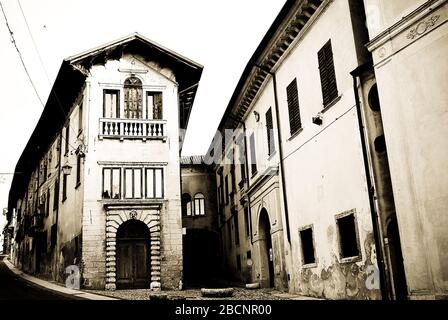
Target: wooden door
point(132, 264)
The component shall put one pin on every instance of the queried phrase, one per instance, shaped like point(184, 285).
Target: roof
point(69, 82)
point(189, 160)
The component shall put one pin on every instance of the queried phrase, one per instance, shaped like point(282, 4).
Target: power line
point(20, 55)
point(34, 42)
point(45, 70)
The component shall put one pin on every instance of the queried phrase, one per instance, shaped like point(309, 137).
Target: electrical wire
point(20, 55)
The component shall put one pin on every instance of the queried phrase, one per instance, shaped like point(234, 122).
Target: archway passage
point(133, 248)
point(201, 258)
point(396, 258)
point(266, 250)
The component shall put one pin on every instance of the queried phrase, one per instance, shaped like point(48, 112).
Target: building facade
point(201, 243)
point(113, 119)
point(408, 42)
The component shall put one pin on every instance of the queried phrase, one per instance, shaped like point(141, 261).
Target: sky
point(220, 35)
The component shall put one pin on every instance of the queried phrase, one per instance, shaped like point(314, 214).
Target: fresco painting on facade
point(326, 177)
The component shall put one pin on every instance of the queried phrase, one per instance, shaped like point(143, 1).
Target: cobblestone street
point(195, 294)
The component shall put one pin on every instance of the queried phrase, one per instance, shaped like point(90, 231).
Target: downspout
point(280, 149)
point(376, 233)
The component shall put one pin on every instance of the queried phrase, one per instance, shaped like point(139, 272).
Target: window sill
point(309, 265)
point(295, 134)
point(332, 103)
point(77, 185)
point(351, 259)
point(63, 199)
point(272, 155)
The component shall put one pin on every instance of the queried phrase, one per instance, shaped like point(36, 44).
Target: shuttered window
point(293, 107)
point(327, 74)
point(270, 132)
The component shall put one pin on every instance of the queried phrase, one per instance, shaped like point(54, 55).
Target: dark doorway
point(133, 267)
point(201, 258)
point(396, 261)
point(266, 251)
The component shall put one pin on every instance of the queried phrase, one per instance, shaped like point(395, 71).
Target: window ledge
point(77, 185)
point(295, 134)
point(332, 103)
point(309, 265)
point(351, 259)
point(272, 155)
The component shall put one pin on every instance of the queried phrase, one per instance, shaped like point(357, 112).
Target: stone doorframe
point(115, 217)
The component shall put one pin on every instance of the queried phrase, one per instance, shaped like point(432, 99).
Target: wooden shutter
point(270, 132)
point(293, 107)
point(327, 74)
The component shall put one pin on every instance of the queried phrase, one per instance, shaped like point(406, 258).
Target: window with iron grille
point(295, 123)
point(270, 132)
point(327, 74)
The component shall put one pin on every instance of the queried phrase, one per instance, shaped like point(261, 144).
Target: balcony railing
point(132, 129)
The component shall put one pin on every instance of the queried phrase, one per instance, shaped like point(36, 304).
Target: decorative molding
point(422, 27)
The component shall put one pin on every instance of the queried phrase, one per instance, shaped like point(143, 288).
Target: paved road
point(12, 287)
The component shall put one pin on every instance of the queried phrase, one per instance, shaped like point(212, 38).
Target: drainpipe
point(280, 149)
point(376, 232)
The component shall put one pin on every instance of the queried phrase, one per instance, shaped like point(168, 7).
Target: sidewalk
point(55, 287)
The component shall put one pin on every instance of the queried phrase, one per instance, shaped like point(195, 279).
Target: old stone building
point(113, 119)
point(330, 181)
point(201, 249)
point(408, 42)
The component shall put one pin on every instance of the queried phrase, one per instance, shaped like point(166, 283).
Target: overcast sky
point(220, 35)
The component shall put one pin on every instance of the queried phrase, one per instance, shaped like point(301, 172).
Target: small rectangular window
point(154, 183)
point(237, 229)
point(270, 132)
point(295, 123)
point(327, 74)
point(111, 103)
point(64, 187)
point(347, 236)
point(67, 138)
point(80, 115)
point(248, 255)
point(226, 184)
point(78, 170)
point(154, 105)
point(238, 262)
point(306, 240)
point(247, 221)
point(253, 156)
point(199, 204)
point(56, 196)
point(111, 183)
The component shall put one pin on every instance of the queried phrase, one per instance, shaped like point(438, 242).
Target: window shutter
point(293, 107)
point(327, 74)
point(270, 132)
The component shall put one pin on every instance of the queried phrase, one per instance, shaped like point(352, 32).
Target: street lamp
point(67, 168)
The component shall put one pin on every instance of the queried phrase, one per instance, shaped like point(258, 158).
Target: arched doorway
point(396, 260)
point(133, 248)
point(201, 257)
point(266, 251)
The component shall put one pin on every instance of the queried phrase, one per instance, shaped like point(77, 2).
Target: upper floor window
point(133, 183)
point(270, 132)
point(295, 123)
point(111, 103)
point(186, 204)
point(111, 183)
point(154, 183)
point(327, 74)
point(67, 138)
point(80, 116)
point(133, 102)
point(154, 105)
point(199, 204)
point(253, 156)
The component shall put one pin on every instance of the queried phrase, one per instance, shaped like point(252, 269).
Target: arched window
point(133, 105)
point(186, 204)
point(199, 204)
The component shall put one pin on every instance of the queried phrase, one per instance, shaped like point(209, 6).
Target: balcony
point(112, 128)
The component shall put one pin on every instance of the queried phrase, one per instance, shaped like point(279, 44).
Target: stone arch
point(114, 219)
